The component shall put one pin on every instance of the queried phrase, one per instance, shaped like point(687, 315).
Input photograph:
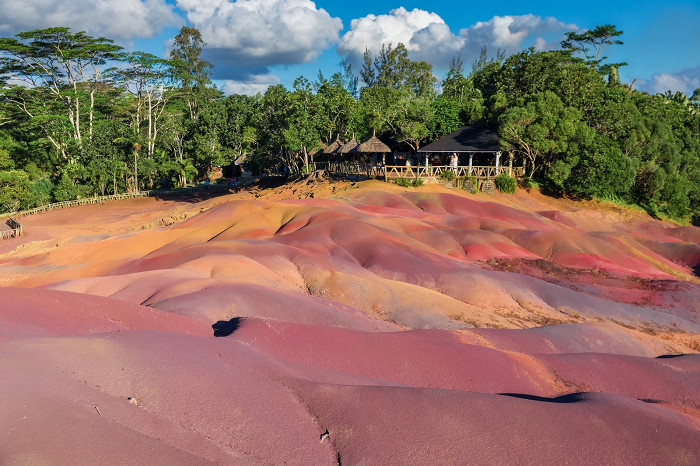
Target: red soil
point(359, 324)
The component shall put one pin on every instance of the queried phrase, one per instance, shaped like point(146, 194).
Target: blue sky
point(255, 43)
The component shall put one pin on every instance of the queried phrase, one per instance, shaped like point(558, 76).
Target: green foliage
point(393, 69)
point(39, 194)
point(14, 188)
point(417, 182)
point(541, 128)
point(76, 122)
point(405, 182)
point(448, 175)
point(65, 189)
point(6, 163)
point(468, 183)
point(590, 44)
point(505, 184)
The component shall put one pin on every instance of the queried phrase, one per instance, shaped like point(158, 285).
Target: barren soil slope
point(325, 322)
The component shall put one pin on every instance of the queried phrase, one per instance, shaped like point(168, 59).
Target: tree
point(349, 80)
point(205, 137)
point(539, 127)
point(334, 105)
point(271, 121)
point(591, 43)
point(458, 92)
point(392, 68)
point(65, 71)
point(147, 78)
point(190, 69)
point(302, 130)
point(14, 188)
point(412, 121)
point(240, 135)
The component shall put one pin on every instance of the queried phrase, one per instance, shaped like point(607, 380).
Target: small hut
point(374, 146)
point(349, 147)
point(333, 147)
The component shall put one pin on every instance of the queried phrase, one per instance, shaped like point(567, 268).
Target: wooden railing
point(352, 168)
point(428, 173)
point(433, 173)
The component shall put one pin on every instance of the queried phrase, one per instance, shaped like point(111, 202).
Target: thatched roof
point(373, 144)
point(333, 147)
point(350, 146)
point(466, 139)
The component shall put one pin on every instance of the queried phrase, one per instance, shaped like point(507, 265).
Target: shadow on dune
point(568, 398)
point(224, 328)
point(669, 356)
point(193, 195)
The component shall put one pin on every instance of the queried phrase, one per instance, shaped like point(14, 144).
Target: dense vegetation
point(79, 116)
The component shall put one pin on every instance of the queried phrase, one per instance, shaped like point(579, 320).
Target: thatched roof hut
point(333, 147)
point(349, 147)
point(373, 144)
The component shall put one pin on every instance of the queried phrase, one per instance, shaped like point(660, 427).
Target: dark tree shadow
point(224, 328)
point(568, 398)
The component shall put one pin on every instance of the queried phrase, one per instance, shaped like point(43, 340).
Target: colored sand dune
point(325, 323)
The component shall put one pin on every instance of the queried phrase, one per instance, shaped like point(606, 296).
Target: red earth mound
point(335, 323)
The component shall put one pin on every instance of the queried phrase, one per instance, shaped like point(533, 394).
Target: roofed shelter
point(349, 147)
point(333, 147)
point(467, 139)
point(374, 146)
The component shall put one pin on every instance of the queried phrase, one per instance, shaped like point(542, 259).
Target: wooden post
point(510, 166)
point(384, 166)
point(498, 160)
point(470, 164)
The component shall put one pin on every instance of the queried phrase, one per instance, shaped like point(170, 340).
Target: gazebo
point(466, 140)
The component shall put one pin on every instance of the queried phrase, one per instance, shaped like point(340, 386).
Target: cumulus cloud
point(685, 81)
point(123, 19)
point(250, 86)
point(262, 32)
point(427, 37)
point(400, 25)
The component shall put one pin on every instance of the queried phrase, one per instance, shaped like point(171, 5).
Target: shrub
point(39, 193)
point(448, 175)
point(505, 184)
point(14, 187)
point(468, 183)
point(66, 190)
point(405, 182)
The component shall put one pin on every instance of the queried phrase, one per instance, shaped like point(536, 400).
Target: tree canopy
point(79, 116)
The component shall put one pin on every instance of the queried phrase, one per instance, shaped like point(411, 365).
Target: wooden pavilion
point(473, 141)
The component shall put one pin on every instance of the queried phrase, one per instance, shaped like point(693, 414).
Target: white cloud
point(251, 86)
point(122, 19)
point(685, 81)
point(427, 37)
point(417, 29)
point(263, 32)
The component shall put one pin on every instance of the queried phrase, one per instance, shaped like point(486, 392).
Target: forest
point(80, 116)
